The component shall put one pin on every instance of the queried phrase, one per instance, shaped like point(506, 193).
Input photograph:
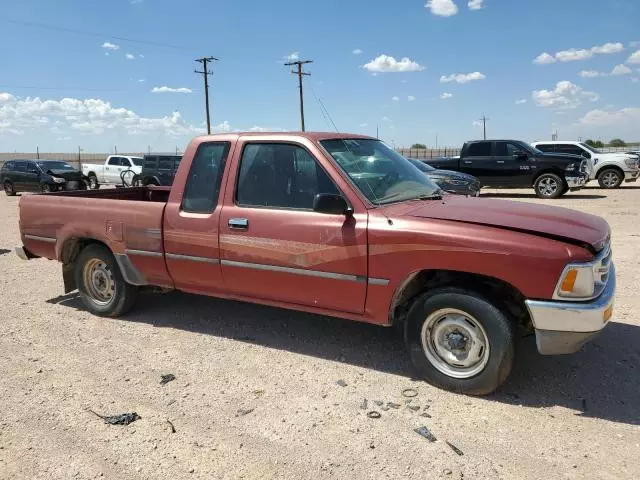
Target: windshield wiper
point(435, 196)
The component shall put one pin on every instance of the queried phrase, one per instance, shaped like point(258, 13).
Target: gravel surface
point(267, 393)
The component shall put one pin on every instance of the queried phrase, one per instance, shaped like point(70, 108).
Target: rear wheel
point(93, 182)
point(610, 178)
point(459, 341)
point(9, 189)
point(45, 188)
point(549, 185)
point(102, 289)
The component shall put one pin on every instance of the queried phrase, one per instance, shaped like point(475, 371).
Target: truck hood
point(553, 222)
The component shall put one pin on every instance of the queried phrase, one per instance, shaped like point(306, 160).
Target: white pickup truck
point(610, 169)
point(109, 172)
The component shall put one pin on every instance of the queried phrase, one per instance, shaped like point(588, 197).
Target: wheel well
point(549, 170)
point(73, 246)
point(610, 167)
point(91, 174)
point(502, 294)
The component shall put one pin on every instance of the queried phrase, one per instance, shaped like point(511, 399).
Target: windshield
point(137, 161)
point(52, 165)
point(423, 167)
point(380, 173)
point(591, 149)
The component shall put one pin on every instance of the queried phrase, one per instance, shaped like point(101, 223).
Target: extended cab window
point(280, 175)
point(114, 161)
point(205, 176)
point(571, 149)
point(479, 149)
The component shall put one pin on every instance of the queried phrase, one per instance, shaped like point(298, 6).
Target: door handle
point(499, 161)
point(238, 223)
point(467, 162)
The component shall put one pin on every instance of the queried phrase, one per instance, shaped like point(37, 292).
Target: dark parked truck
point(40, 176)
point(516, 164)
point(339, 225)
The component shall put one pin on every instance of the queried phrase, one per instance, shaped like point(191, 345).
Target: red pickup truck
point(339, 225)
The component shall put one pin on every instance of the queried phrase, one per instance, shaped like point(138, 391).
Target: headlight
point(58, 180)
point(631, 162)
point(571, 167)
point(584, 281)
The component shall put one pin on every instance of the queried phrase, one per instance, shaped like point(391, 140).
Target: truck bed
point(137, 194)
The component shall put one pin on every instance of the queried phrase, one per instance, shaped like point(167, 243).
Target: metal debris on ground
point(258, 393)
point(426, 433)
point(454, 448)
point(363, 404)
point(173, 429)
point(122, 419)
point(166, 378)
point(341, 383)
point(384, 408)
point(244, 411)
point(378, 402)
point(425, 414)
point(414, 408)
point(373, 414)
point(409, 393)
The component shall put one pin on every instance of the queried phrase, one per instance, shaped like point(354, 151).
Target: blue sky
point(417, 70)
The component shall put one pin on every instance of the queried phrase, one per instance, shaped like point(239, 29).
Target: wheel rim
point(99, 281)
point(547, 186)
point(455, 343)
point(93, 182)
point(8, 188)
point(609, 179)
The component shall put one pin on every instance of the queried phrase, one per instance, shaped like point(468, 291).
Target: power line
point(93, 34)
point(323, 110)
point(205, 73)
point(300, 74)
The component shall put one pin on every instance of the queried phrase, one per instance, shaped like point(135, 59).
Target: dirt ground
point(568, 417)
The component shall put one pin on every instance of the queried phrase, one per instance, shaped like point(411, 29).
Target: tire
point(45, 188)
point(9, 189)
point(102, 289)
point(441, 314)
point(549, 185)
point(136, 182)
point(610, 178)
point(93, 182)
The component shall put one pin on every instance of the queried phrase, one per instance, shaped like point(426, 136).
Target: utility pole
point(377, 136)
point(205, 73)
point(37, 152)
point(484, 119)
point(300, 73)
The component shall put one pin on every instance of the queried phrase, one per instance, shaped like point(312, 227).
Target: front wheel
point(102, 289)
point(549, 185)
point(45, 188)
point(610, 178)
point(9, 189)
point(93, 182)
point(459, 341)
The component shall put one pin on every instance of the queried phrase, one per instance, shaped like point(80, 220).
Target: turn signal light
point(569, 280)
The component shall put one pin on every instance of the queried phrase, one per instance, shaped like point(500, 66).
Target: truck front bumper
point(576, 182)
point(564, 327)
point(631, 175)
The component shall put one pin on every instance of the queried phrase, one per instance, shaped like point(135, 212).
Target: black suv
point(40, 176)
point(158, 169)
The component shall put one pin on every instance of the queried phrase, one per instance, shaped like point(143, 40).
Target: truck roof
point(314, 136)
point(555, 142)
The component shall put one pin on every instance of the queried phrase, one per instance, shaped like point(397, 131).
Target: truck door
point(112, 170)
point(191, 222)
point(274, 246)
point(513, 166)
point(32, 178)
point(478, 161)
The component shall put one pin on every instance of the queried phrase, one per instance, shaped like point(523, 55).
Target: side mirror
point(332, 204)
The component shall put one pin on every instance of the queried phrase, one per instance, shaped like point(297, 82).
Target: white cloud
point(564, 95)
point(140, 55)
point(634, 58)
point(618, 70)
point(475, 4)
point(411, 98)
point(634, 44)
point(363, 125)
point(621, 70)
point(575, 54)
point(387, 64)
point(385, 119)
point(85, 116)
point(166, 89)
point(395, 99)
point(635, 79)
point(110, 46)
point(625, 116)
point(446, 95)
point(141, 80)
point(521, 101)
point(5, 97)
point(462, 77)
point(544, 59)
point(130, 56)
point(442, 8)
point(292, 57)
point(357, 51)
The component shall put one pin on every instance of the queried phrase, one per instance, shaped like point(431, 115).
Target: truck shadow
point(4, 251)
point(601, 381)
point(568, 196)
